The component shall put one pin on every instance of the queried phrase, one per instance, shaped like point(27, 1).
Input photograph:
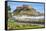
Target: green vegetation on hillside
point(12, 25)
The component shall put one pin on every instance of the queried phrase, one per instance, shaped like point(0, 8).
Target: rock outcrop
point(26, 10)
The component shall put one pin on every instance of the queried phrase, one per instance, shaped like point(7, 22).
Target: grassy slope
point(12, 25)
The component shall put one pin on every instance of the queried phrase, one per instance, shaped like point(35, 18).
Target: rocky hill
point(26, 10)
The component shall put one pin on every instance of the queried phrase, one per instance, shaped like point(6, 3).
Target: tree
point(8, 8)
point(9, 12)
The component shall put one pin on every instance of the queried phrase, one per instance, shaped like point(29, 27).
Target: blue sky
point(39, 7)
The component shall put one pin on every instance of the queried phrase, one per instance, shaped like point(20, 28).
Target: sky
point(38, 6)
